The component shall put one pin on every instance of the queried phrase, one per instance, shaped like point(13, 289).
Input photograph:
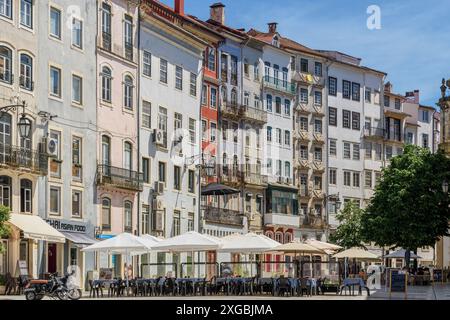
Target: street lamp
point(445, 187)
point(24, 123)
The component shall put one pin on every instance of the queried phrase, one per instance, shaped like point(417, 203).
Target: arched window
point(26, 72)
point(287, 237)
point(5, 137)
point(128, 156)
point(128, 93)
point(233, 97)
point(26, 195)
point(279, 237)
point(5, 64)
point(5, 191)
point(269, 234)
point(106, 214)
point(128, 213)
point(106, 84)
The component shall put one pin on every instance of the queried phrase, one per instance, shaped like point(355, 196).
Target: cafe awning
point(34, 227)
point(79, 239)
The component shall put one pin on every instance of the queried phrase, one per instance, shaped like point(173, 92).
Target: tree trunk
point(407, 258)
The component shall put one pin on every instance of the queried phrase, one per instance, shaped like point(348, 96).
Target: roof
point(221, 28)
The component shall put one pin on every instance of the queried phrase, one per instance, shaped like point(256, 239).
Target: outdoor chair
point(265, 286)
point(305, 287)
point(95, 288)
point(283, 286)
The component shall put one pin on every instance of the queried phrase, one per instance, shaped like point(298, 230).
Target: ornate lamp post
point(24, 123)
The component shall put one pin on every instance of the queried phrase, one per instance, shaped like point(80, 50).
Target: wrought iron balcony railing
point(119, 178)
point(106, 41)
point(280, 85)
point(222, 216)
point(23, 159)
point(255, 178)
point(374, 132)
point(129, 51)
point(255, 114)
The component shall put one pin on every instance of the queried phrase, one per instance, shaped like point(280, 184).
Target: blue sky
point(413, 45)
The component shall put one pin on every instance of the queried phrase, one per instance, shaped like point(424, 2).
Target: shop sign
point(67, 226)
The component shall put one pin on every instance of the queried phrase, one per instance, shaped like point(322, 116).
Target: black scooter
point(53, 288)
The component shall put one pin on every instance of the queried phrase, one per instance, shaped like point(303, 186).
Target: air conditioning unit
point(158, 137)
point(52, 146)
point(158, 205)
point(159, 187)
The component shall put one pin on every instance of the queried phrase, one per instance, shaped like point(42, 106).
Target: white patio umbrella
point(325, 246)
point(355, 253)
point(189, 242)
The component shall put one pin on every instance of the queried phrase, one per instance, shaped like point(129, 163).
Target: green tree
point(409, 208)
point(348, 233)
point(4, 228)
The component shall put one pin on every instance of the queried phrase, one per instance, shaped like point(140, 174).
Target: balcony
point(318, 81)
point(257, 179)
point(222, 216)
point(106, 43)
point(231, 176)
point(119, 178)
point(279, 219)
point(255, 115)
point(312, 221)
point(280, 85)
point(393, 136)
point(303, 164)
point(232, 110)
point(301, 135)
point(23, 160)
point(302, 107)
point(373, 133)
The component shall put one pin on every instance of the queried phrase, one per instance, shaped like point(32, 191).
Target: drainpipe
point(200, 141)
point(433, 130)
point(327, 167)
point(138, 100)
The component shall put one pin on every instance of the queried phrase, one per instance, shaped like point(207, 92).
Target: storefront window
point(73, 256)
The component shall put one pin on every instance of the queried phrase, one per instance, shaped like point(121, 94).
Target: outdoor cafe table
point(195, 283)
point(238, 285)
point(351, 283)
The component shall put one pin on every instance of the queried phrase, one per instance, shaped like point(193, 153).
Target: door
point(51, 258)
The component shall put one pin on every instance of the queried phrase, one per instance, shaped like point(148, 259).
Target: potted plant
point(4, 232)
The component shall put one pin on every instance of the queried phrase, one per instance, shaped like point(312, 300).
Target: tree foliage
point(409, 208)
point(4, 228)
point(348, 233)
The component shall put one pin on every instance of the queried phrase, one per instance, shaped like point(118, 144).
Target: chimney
point(413, 96)
point(273, 27)
point(217, 13)
point(179, 7)
point(388, 87)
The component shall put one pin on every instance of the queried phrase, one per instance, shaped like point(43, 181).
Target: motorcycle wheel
point(31, 296)
point(75, 294)
point(39, 297)
point(63, 295)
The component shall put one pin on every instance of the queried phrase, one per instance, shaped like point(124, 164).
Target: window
point(425, 141)
point(347, 151)
point(269, 103)
point(176, 224)
point(128, 93)
point(317, 154)
point(387, 101)
point(368, 148)
point(279, 165)
point(106, 84)
point(235, 127)
point(234, 70)
point(368, 95)
point(177, 121)
point(425, 116)
point(304, 152)
point(278, 136)
point(179, 78)
point(397, 104)
point(55, 200)
point(192, 130)
point(213, 97)
point(128, 37)
point(190, 222)
point(146, 170)
point(55, 82)
point(5, 191)
point(318, 69)
point(106, 150)
point(77, 89)
point(346, 119)
point(55, 23)
point(145, 228)
point(287, 107)
point(346, 89)
point(128, 213)
point(356, 179)
point(106, 26)
point(332, 86)
point(317, 183)
point(409, 138)
point(278, 105)
point(191, 181)
point(177, 178)
point(204, 95)
point(146, 114)
point(204, 130)
point(76, 158)
point(161, 172)
point(147, 64)
point(246, 69)
point(5, 65)
point(26, 12)
point(55, 163)
point(269, 134)
point(246, 99)
point(318, 126)
point(333, 177)
point(77, 33)
point(287, 138)
point(256, 71)
point(287, 169)
point(388, 152)
point(6, 8)
point(304, 65)
point(377, 178)
point(368, 179)
point(333, 147)
point(26, 196)
point(26, 72)
point(106, 214)
point(163, 71)
point(127, 156)
point(332, 119)
point(303, 95)
point(193, 85)
point(212, 59)
point(356, 151)
point(318, 98)
point(347, 178)
point(304, 124)
point(76, 204)
point(213, 130)
point(378, 152)
point(356, 91)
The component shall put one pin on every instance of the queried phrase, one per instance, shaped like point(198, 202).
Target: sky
point(412, 46)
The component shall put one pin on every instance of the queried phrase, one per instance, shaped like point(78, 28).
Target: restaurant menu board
point(398, 282)
point(106, 274)
point(22, 268)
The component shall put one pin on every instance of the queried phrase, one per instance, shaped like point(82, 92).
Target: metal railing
point(280, 85)
point(119, 177)
point(374, 132)
point(222, 216)
point(232, 109)
point(255, 114)
point(255, 178)
point(24, 159)
point(106, 41)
